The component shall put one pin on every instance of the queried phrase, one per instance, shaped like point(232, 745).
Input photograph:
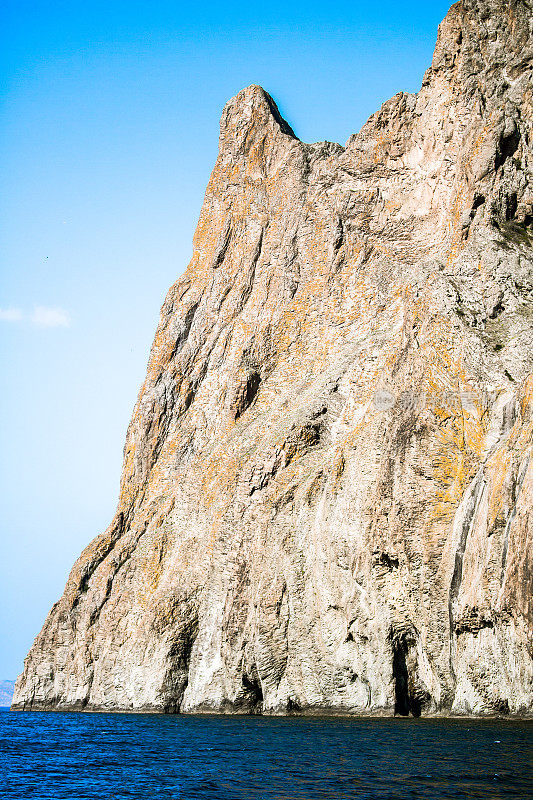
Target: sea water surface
point(77, 756)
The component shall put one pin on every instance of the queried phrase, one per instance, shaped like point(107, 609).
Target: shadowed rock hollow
point(326, 499)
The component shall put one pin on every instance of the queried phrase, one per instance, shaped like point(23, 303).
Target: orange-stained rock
point(327, 493)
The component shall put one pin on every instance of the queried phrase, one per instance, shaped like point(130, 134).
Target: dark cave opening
point(507, 146)
point(252, 387)
point(511, 206)
point(401, 680)
point(478, 201)
point(252, 687)
point(405, 701)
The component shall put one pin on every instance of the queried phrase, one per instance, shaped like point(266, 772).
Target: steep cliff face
point(327, 494)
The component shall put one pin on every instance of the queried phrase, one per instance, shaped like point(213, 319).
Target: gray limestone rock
point(327, 493)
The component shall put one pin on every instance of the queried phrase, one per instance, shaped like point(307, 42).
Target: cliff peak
point(249, 114)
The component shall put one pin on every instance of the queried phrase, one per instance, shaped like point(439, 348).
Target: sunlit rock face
point(326, 500)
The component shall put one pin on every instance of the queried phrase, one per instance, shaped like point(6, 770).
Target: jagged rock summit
point(327, 493)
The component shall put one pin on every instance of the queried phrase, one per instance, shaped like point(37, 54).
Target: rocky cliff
point(327, 493)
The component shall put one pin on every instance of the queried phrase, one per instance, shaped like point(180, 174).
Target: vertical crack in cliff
point(250, 279)
point(117, 531)
point(116, 565)
point(465, 518)
point(247, 394)
point(517, 489)
point(223, 245)
point(185, 329)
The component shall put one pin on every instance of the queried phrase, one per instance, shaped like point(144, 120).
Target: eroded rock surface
point(327, 491)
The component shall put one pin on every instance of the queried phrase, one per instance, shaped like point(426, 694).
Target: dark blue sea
point(114, 756)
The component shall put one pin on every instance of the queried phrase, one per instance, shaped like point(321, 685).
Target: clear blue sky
point(108, 133)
